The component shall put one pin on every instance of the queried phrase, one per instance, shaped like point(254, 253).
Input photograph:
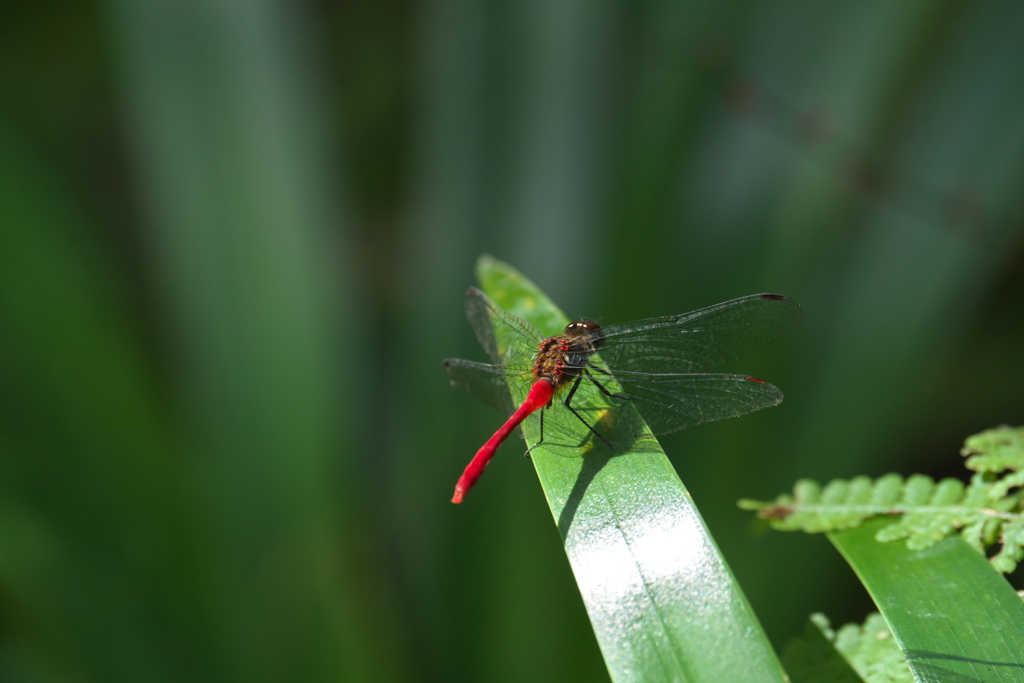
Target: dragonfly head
point(584, 330)
point(581, 328)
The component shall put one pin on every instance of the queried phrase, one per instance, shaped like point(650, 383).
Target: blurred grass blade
point(663, 603)
point(244, 225)
point(953, 615)
point(86, 477)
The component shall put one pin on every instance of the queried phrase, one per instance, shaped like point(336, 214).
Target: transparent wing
point(508, 339)
point(489, 383)
point(669, 403)
point(665, 404)
point(691, 342)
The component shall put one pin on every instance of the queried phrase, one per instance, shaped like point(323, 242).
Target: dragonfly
point(592, 372)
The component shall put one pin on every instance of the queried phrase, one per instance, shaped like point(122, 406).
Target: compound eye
point(581, 327)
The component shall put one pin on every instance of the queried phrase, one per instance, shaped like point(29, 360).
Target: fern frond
point(987, 511)
point(865, 652)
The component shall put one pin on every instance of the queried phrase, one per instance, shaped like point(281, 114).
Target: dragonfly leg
point(621, 397)
point(541, 440)
point(568, 404)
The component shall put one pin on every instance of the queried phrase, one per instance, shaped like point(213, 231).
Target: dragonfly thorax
point(562, 358)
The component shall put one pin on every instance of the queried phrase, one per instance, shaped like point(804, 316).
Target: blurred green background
point(234, 241)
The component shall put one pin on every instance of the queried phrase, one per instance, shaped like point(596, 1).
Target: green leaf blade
point(953, 616)
point(662, 601)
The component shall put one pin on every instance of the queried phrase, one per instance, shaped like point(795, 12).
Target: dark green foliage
point(233, 243)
